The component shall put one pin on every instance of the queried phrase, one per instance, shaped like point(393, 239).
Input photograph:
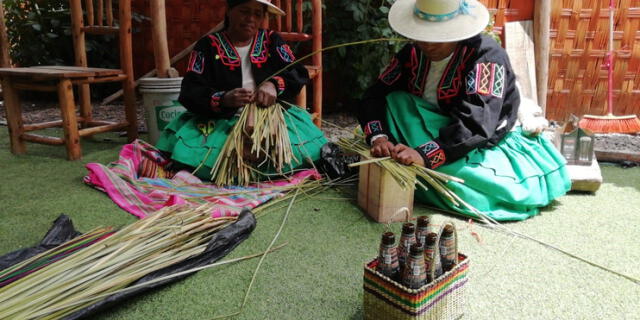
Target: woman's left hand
point(266, 94)
point(407, 155)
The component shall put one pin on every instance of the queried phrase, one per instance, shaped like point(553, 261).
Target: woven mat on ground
point(140, 184)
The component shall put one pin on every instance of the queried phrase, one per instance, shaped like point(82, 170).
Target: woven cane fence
point(579, 34)
point(579, 43)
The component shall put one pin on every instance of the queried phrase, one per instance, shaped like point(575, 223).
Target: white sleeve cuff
point(376, 137)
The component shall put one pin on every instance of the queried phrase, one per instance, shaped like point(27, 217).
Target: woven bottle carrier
point(442, 298)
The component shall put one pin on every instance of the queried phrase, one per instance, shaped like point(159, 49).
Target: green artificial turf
point(318, 275)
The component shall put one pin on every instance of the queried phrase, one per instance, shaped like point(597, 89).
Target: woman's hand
point(407, 155)
point(382, 147)
point(237, 98)
point(266, 94)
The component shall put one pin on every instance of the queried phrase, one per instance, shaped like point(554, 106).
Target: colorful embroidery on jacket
point(373, 127)
point(226, 52)
point(196, 62)
point(392, 73)
point(419, 70)
point(487, 79)
point(280, 84)
point(435, 156)
point(285, 53)
point(216, 101)
point(259, 51)
point(451, 81)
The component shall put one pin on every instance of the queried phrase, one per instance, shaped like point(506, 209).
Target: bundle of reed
point(84, 277)
point(403, 175)
point(265, 131)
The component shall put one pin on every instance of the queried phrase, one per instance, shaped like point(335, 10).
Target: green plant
point(348, 21)
point(40, 34)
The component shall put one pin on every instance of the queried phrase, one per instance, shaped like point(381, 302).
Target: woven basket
point(440, 299)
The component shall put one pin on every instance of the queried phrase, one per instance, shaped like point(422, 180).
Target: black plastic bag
point(220, 245)
point(61, 232)
point(335, 163)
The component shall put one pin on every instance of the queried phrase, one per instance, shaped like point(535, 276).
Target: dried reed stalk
point(265, 131)
point(167, 237)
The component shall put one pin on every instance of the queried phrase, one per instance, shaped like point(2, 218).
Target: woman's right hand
point(382, 147)
point(237, 98)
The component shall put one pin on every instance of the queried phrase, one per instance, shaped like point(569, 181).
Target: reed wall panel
point(579, 44)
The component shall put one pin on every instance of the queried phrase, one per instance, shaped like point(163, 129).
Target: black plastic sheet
point(223, 242)
point(335, 163)
point(61, 232)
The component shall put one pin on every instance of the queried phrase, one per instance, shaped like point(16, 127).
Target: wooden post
point(5, 60)
point(541, 26)
point(159, 38)
point(13, 110)
point(69, 119)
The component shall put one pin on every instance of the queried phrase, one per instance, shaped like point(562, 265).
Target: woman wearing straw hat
point(227, 70)
point(448, 101)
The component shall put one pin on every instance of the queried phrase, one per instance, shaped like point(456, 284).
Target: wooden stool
point(60, 79)
point(101, 20)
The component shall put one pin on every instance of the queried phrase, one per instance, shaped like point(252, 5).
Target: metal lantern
point(577, 146)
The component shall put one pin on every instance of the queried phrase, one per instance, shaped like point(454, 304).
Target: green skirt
point(189, 146)
point(509, 181)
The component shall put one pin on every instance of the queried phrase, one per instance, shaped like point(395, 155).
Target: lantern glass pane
point(569, 147)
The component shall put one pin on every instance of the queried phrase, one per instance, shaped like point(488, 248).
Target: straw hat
point(438, 20)
point(271, 8)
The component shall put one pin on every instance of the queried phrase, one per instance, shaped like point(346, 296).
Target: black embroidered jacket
point(477, 90)
point(214, 68)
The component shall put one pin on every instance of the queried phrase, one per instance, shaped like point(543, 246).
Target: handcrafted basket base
point(441, 299)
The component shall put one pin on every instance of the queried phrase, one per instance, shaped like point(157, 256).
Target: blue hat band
point(463, 9)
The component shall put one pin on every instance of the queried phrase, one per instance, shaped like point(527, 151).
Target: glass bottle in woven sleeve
point(388, 258)
point(407, 239)
point(414, 274)
point(431, 256)
point(422, 228)
point(448, 250)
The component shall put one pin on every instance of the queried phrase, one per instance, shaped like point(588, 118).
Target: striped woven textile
point(441, 299)
point(139, 183)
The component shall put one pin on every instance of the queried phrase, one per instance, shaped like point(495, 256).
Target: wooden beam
point(5, 59)
point(541, 26)
point(103, 128)
point(35, 87)
point(37, 138)
point(159, 38)
point(14, 116)
point(69, 120)
point(151, 73)
point(42, 125)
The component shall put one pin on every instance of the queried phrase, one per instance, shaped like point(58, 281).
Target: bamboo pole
point(541, 26)
point(151, 73)
point(159, 37)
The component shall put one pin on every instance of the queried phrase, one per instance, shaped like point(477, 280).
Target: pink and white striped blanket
point(141, 196)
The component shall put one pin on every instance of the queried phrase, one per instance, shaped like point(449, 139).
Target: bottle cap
point(388, 238)
point(448, 229)
point(423, 222)
point(408, 228)
point(431, 238)
point(416, 249)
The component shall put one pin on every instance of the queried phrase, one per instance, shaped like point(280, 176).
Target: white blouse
point(436, 70)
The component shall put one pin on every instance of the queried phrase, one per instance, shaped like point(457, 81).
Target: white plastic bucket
point(160, 100)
